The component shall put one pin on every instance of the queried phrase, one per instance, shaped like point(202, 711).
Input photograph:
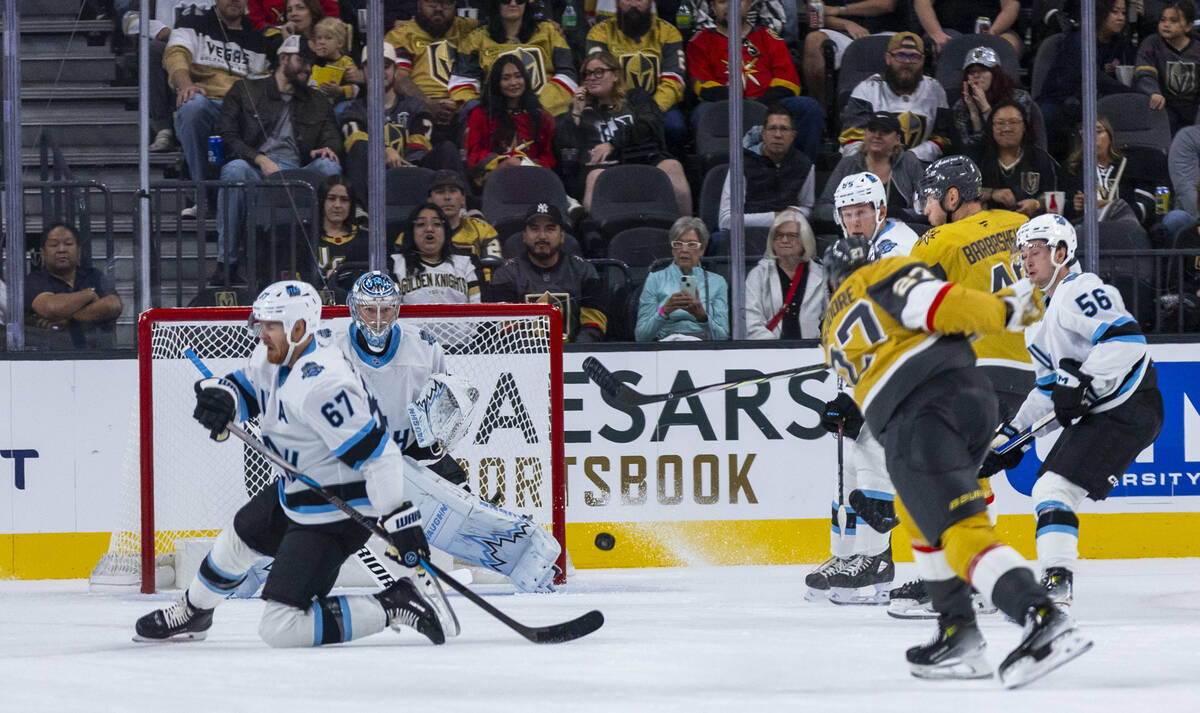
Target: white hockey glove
point(216, 406)
point(442, 413)
point(1024, 304)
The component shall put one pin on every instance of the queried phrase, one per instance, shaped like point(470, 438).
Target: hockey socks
point(327, 620)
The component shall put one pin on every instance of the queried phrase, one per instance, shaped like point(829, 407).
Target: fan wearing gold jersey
point(898, 336)
point(512, 28)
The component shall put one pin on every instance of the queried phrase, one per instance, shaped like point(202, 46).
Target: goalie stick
point(550, 634)
point(612, 386)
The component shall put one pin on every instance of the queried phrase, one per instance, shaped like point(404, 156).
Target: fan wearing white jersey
point(1095, 374)
point(861, 567)
point(314, 413)
point(426, 412)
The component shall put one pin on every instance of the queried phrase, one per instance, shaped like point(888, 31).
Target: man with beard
point(266, 125)
point(917, 101)
point(547, 274)
point(426, 50)
point(651, 51)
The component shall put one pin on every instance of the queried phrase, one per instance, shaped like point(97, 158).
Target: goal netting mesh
point(193, 485)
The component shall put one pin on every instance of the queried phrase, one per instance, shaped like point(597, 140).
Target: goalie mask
point(1056, 231)
point(860, 189)
point(374, 304)
point(287, 302)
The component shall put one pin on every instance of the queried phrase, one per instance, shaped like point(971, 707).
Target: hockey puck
point(605, 541)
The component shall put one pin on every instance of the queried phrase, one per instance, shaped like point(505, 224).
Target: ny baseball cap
point(389, 53)
point(982, 55)
point(885, 121)
point(447, 177)
point(548, 210)
point(297, 44)
point(906, 40)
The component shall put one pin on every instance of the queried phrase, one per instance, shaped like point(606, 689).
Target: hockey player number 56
point(862, 315)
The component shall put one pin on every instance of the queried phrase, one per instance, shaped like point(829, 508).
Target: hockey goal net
point(178, 484)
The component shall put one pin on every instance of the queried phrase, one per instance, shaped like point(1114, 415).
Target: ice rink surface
point(688, 639)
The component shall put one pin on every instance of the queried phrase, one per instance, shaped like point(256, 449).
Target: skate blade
point(816, 595)
point(870, 595)
point(971, 668)
point(177, 639)
point(982, 606)
point(905, 611)
point(1062, 649)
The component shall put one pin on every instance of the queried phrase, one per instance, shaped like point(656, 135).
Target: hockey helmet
point(856, 189)
point(288, 302)
point(950, 172)
point(1055, 230)
point(844, 257)
point(374, 289)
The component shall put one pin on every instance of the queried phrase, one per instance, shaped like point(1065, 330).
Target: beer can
point(1162, 200)
point(216, 152)
point(816, 15)
point(982, 25)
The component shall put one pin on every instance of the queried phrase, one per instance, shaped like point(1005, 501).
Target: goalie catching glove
point(406, 540)
point(442, 413)
point(216, 404)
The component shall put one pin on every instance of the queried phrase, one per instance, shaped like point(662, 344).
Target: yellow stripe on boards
point(51, 555)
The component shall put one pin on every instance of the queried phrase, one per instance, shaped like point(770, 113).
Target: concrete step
point(86, 124)
point(81, 64)
point(47, 9)
point(76, 91)
point(63, 34)
point(51, 25)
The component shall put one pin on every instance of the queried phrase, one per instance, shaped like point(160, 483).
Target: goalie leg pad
point(222, 571)
point(1057, 500)
point(534, 572)
point(328, 620)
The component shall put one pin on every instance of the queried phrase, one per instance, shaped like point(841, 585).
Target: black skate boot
point(1059, 584)
point(911, 600)
point(405, 606)
point(818, 579)
point(1050, 641)
point(864, 580)
point(179, 622)
point(956, 652)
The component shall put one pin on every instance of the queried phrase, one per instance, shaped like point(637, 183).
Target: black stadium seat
point(630, 196)
point(509, 193)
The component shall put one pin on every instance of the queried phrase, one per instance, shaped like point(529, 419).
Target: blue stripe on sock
point(347, 630)
point(878, 495)
point(318, 624)
point(1052, 504)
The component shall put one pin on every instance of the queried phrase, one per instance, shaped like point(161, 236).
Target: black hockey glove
point(216, 404)
point(842, 411)
point(408, 545)
point(995, 462)
point(1069, 392)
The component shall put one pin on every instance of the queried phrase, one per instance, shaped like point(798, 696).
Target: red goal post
point(177, 483)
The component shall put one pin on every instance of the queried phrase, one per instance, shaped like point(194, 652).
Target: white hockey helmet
point(1055, 230)
point(856, 189)
point(374, 289)
point(288, 302)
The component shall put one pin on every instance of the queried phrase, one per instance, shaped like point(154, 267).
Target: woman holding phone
point(683, 300)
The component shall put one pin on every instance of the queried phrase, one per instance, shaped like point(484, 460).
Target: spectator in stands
point(778, 177)
point(513, 27)
point(844, 24)
point(266, 125)
point(768, 74)
point(785, 292)
point(985, 85)
point(544, 273)
point(1183, 162)
point(207, 53)
point(343, 237)
point(609, 125)
point(334, 74)
point(68, 305)
point(427, 268)
point(944, 19)
point(1168, 65)
point(882, 153)
point(468, 234)
point(1120, 194)
point(509, 127)
point(426, 52)
point(919, 102)
point(776, 15)
point(1016, 173)
point(683, 300)
point(650, 58)
point(301, 17)
point(277, 13)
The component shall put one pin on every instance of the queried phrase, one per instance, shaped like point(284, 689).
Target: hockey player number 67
point(851, 369)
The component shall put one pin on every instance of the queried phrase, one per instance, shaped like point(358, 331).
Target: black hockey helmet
point(845, 256)
point(951, 172)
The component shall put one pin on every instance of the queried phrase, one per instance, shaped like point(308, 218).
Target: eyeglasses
point(1008, 122)
point(428, 224)
point(596, 73)
point(443, 3)
point(787, 236)
point(778, 130)
point(689, 244)
point(907, 56)
point(513, 2)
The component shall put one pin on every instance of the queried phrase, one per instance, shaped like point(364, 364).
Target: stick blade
point(568, 630)
point(602, 377)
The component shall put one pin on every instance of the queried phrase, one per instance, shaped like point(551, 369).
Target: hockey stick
point(610, 385)
point(842, 514)
point(1019, 440)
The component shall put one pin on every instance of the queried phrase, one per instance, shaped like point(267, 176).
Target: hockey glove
point(216, 404)
point(407, 544)
point(1069, 392)
point(1024, 302)
point(996, 462)
point(442, 413)
point(844, 412)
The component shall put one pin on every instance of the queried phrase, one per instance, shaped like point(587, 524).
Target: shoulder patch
point(1071, 276)
point(325, 333)
point(883, 247)
point(310, 368)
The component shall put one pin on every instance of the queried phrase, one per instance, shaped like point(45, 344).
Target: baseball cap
point(447, 177)
point(906, 40)
point(982, 55)
point(389, 53)
point(885, 121)
point(549, 210)
point(297, 44)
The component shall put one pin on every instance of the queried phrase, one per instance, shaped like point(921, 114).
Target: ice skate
point(911, 600)
point(818, 579)
point(863, 580)
point(1059, 584)
point(405, 606)
point(956, 652)
point(179, 622)
point(1050, 641)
